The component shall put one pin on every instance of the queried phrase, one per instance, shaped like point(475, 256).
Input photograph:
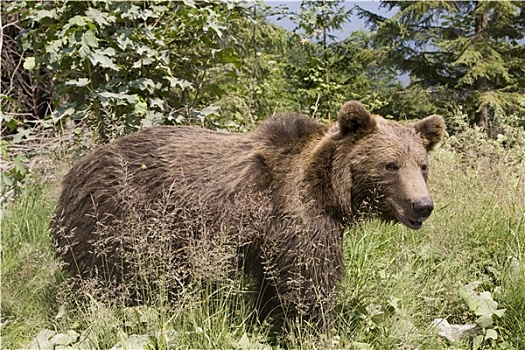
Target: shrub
point(121, 66)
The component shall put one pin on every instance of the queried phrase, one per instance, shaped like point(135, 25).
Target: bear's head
point(380, 167)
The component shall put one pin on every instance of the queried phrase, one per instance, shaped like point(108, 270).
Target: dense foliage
point(122, 65)
point(468, 52)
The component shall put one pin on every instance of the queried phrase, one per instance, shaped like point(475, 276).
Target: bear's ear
point(431, 130)
point(354, 119)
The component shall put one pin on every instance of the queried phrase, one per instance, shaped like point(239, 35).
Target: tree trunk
point(482, 117)
point(482, 114)
point(481, 85)
point(249, 118)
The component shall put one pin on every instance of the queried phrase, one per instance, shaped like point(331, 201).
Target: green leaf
point(81, 82)
point(499, 312)
point(29, 63)
point(143, 62)
point(6, 181)
point(470, 297)
point(21, 134)
point(491, 334)
point(124, 41)
point(74, 22)
point(5, 117)
point(394, 303)
point(90, 39)
point(53, 51)
point(122, 96)
point(79, 21)
point(183, 84)
point(109, 51)
point(481, 304)
point(128, 11)
point(244, 342)
point(143, 84)
point(40, 14)
point(101, 18)
point(42, 340)
point(209, 110)
point(484, 321)
point(216, 26)
point(15, 6)
point(138, 342)
point(98, 58)
point(157, 102)
point(64, 111)
point(141, 107)
point(486, 305)
point(65, 339)
point(189, 3)
point(477, 341)
point(19, 165)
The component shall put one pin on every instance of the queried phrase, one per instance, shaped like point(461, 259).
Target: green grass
point(477, 230)
point(28, 268)
point(398, 281)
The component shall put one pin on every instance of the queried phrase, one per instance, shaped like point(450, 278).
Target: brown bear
point(275, 201)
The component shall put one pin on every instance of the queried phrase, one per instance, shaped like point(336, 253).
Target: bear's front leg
point(302, 271)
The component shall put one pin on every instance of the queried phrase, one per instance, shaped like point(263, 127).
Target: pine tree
point(316, 22)
point(472, 51)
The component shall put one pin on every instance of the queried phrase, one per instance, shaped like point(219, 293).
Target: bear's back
point(289, 132)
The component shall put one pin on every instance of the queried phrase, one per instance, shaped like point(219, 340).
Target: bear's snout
point(423, 208)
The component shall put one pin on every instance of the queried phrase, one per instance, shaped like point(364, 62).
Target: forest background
point(79, 73)
point(117, 67)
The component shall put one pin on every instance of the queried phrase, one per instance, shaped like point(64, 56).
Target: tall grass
point(397, 282)
point(405, 279)
point(28, 267)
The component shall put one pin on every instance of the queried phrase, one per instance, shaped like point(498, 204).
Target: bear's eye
point(391, 166)
point(424, 167)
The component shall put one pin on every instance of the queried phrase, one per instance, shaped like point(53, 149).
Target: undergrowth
point(397, 283)
point(29, 279)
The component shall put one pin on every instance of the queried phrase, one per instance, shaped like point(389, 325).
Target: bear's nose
point(423, 207)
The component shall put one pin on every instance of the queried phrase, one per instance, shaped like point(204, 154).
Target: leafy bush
point(13, 174)
point(507, 147)
point(121, 66)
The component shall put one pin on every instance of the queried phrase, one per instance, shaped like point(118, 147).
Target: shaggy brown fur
point(276, 198)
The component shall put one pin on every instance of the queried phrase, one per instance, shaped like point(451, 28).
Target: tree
point(469, 51)
point(316, 22)
point(257, 87)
